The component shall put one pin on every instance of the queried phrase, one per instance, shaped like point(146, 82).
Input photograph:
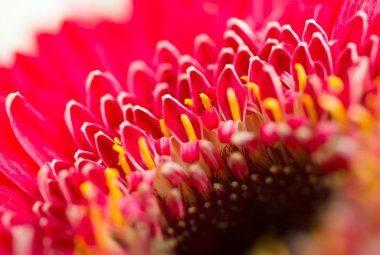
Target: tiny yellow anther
point(117, 141)
point(244, 78)
point(361, 116)
point(111, 178)
point(205, 101)
point(189, 102)
point(164, 129)
point(335, 107)
point(273, 105)
point(234, 105)
point(301, 76)
point(145, 153)
point(87, 189)
point(256, 89)
point(311, 111)
point(122, 158)
point(335, 83)
point(188, 127)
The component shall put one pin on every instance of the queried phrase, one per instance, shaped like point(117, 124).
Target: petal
point(172, 111)
point(190, 151)
point(320, 51)
point(227, 129)
point(205, 50)
point(39, 137)
point(280, 59)
point(272, 30)
point(167, 53)
point(75, 115)
point(242, 29)
point(354, 31)
point(90, 129)
point(110, 112)
point(232, 40)
point(225, 57)
point(266, 49)
point(187, 61)
point(147, 121)
point(229, 80)
point(140, 80)
point(104, 145)
point(311, 27)
point(99, 84)
point(242, 60)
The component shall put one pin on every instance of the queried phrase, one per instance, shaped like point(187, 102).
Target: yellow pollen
point(114, 195)
point(117, 141)
point(234, 105)
point(335, 83)
point(189, 102)
point(308, 102)
point(87, 190)
point(335, 107)
point(205, 101)
point(244, 78)
point(273, 105)
point(362, 117)
point(122, 159)
point(301, 76)
point(145, 153)
point(164, 129)
point(188, 127)
point(256, 89)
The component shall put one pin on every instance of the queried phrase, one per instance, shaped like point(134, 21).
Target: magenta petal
point(183, 88)
point(211, 156)
point(90, 129)
point(273, 30)
point(163, 145)
point(166, 73)
point(280, 59)
point(354, 31)
point(126, 98)
point(270, 86)
point(172, 110)
point(226, 130)
point(199, 84)
point(75, 115)
point(99, 84)
point(256, 66)
point(205, 50)
point(187, 61)
point(130, 136)
point(312, 27)
point(147, 121)
point(104, 148)
point(40, 138)
point(210, 119)
point(110, 112)
point(301, 56)
point(232, 40)
point(190, 151)
point(226, 56)
point(242, 60)
point(88, 155)
point(242, 29)
point(320, 51)
point(160, 90)
point(289, 38)
point(167, 53)
point(229, 79)
point(140, 80)
point(346, 59)
point(19, 174)
point(266, 49)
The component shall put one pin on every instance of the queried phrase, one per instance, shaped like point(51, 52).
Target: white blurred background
point(20, 19)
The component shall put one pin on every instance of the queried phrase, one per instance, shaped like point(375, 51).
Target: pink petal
point(104, 145)
point(147, 121)
point(266, 49)
point(320, 51)
point(190, 151)
point(243, 30)
point(226, 130)
point(90, 129)
point(172, 110)
point(273, 30)
point(99, 84)
point(225, 57)
point(229, 79)
point(354, 31)
point(39, 137)
point(311, 27)
point(110, 112)
point(187, 61)
point(232, 40)
point(140, 80)
point(242, 60)
point(167, 53)
point(205, 50)
point(280, 59)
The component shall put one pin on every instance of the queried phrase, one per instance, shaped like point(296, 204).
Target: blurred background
point(21, 19)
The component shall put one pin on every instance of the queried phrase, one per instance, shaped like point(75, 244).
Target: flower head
point(202, 153)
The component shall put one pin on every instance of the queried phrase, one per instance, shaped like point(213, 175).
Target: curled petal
point(232, 98)
point(110, 112)
point(311, 27)
point(167, 53)
point(280, 59)
point(241, 61)
point(232, 40)
point(104, 148)
point(90, 129)
point(243, 30)
point(272, 30)
point(320, 51)
point(354, 31)
point(266, 49)
point(147, 121)
point(225, 57)
point(205, 50)
point(183, 128)
point(140, 80)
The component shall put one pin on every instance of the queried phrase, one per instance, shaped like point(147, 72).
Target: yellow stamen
point(111, 178)
point(273, 105)
point(122, 159)
point(234, 105)
point(308, 102)
point(188, 127)
point(81, 246)
point(145, 153)
point(335, 107)
point(256, 89)
point(244, 78)
point(114, 195)
point(117, 141)
point(335, 83)
point(189, 102)
point(362, 117)
point(164, 129)
point(87, 190)
point(205, 101)
point(301, 76)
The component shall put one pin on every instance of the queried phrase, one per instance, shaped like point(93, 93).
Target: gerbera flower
point(195, 154)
